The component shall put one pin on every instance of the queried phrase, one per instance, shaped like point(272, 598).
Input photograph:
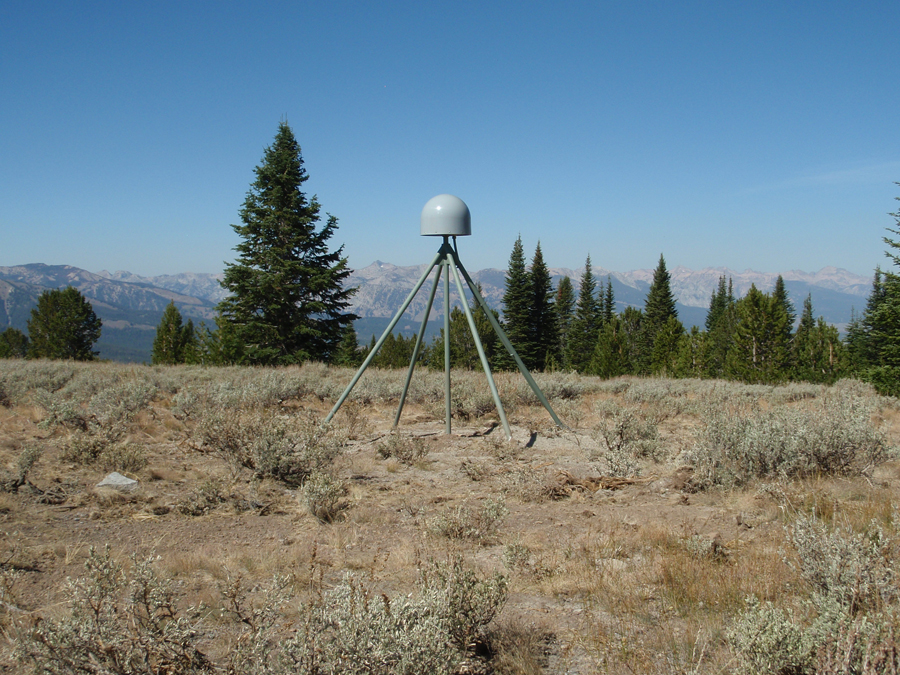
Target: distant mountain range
point(131, 306)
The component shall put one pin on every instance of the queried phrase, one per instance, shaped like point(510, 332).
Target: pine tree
point(173, 340)
point(759, 353)
point(718, 303)
point(517, 298)
point(192, 354)
point(565, 307)
point(63, 326)
point(542, 316)
point(583, 331)
point(610, 357)
point(720, 325)
point(609, 306)
point(288, 302)
point(217, 346)
point(395, 352)
point(783, 302)
point(660, 304)
point(633, 344)
point(463, 352)
point(660, 325)
point(666, 344)
point(13, 344)
point(863, 350)
point(873, 339)
point(348, 353)
point(884, 325)
point(691, 354)
point(818, 351)
point(802, 337)
point(601, 305)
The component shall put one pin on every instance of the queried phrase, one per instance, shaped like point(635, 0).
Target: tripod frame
point(448, 257)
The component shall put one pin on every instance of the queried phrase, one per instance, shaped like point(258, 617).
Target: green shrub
point(25, 462)
point(272, 445)
point(479, 525)
point(204, 499)
point(768, 640)
point(117, 622)
point(833, 435)
point(322, 493)
point(60, 411)
point(121, 620)
point(849, 621)
point(626, 437)
point(123, 457)
point(405, 449)
point(855, 569)
point(21, 377)
point(83, 447)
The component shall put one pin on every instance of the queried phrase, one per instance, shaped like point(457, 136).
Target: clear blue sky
point(756, 135)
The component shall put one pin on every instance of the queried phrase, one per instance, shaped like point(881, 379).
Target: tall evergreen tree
point(396, 352)
point(174, 340)
point(660, 325)
point(288, 301)
point(542, 315)
point(691, 355)
point(818, 350)
point(609, 305)
point(863, 349)
point(565, 307)
point(13, 344)
point(783, 301)
point(660, 304)
point(720, 325)
point(348, 353)
point(583, 331)
point(759, 352)
point(517, 298)
point(192, 353)
point(883, 324)
point(601, 305)
point(463, 352)
point(610, 356)
point(63, 326)
point(717, 305)
point(633, 344)
point(782, 298)
point(666, 343)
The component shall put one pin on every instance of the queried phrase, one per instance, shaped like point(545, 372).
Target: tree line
point(757, 338)
point(749, 339)
point(288, 303)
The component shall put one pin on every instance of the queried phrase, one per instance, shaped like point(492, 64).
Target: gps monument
point(448, 216)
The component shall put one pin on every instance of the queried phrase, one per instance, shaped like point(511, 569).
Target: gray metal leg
point(448, 408)
point(478, 346)
point(419, 338)
point(506, 343)
point(440, 255)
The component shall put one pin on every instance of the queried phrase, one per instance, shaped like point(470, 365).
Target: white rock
point(119, 482)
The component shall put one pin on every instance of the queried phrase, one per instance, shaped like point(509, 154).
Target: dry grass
point(648, 576)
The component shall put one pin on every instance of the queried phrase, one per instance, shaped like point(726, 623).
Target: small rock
point(119, 482)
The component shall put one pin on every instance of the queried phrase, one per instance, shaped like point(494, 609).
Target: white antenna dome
point(446, 216)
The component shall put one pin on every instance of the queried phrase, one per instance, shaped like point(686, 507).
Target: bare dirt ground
point(603, 570)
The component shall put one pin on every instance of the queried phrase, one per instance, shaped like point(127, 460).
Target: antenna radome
point(446, 216)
